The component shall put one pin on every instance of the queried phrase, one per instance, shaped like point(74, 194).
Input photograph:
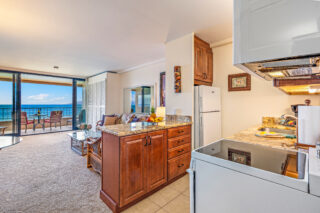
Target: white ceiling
point(85, 37)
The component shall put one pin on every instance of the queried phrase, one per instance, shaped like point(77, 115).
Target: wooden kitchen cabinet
point(203, 63)
point(143, 164)
point(135, 166)
point(179, 148)
point(157, 159)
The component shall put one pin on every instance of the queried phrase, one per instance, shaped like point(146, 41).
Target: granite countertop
point(140, 127)
point(248, 136)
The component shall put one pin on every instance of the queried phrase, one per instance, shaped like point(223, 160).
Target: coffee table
point(2, 129)
point(79, 140)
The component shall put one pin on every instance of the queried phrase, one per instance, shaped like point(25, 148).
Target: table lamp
point(161, 112)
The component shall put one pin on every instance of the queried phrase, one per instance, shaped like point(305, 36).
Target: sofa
point(124, 118)
point(94, 145)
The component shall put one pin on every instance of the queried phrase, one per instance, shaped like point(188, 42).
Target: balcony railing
point(6, 112)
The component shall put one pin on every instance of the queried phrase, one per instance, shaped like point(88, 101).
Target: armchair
point(94, 154)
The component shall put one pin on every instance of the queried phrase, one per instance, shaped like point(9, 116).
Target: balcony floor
point(46, 130)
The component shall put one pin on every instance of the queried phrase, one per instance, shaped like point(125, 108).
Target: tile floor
point(174, 198)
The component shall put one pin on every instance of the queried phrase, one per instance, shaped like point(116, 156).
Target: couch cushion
point(104, 118)
point(127, 118)
point(110, 120)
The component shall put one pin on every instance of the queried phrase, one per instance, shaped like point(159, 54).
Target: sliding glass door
point(16, 104)
point(79, 109)
point(36, 104)
point(9, 103)
point(46, 104)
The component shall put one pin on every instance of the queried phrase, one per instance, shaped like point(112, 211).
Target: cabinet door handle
point(180, 141)
point(181, 165)
point(146, 144)
point(180, 150)
point(149, 140)
point(180, 131)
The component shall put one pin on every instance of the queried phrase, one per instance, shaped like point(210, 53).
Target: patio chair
point(25, 121)
point(55, 117)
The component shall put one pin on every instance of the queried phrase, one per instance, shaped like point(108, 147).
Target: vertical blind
point(96, 99)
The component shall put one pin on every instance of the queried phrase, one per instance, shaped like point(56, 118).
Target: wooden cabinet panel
point(198, 62)
point(133, 168)
point(178, 165)
point(203, 62)
point(179, 131)
point(180, 150)
point(178, 141)
point(209, 66)
point(157, 159)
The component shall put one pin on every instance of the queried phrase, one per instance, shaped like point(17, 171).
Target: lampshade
point(161, 112)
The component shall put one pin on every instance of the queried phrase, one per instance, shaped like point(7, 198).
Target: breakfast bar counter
point(141, 127)
point(248, 136)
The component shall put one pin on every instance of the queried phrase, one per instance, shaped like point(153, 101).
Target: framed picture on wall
point(239, 82)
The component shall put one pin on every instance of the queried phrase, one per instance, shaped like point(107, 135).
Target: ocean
point(6, 110)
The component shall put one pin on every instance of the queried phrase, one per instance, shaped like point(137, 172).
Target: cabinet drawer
point(179, 131)
point(178, 141)
point(178, 165)
point(179, 150)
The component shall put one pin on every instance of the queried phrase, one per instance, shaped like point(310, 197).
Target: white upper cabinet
point(274, 29)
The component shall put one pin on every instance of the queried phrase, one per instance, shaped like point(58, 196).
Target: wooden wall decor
point(239, 82)
point(177, 79)
point(163, 89)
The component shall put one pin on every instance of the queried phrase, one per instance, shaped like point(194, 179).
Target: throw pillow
point(104, 118)
point(110, 121)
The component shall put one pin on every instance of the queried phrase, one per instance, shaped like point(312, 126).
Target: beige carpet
point(42, 174)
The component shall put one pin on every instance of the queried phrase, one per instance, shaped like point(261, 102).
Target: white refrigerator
point(207, 115)
point(308, 125)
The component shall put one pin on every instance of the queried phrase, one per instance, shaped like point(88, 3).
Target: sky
point(39, 94)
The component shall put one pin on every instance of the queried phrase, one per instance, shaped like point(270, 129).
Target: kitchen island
point(140, 158)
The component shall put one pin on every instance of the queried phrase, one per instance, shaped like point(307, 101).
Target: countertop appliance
point(277, 39)
point(207, 115)
point(308, 125)
point(237, 177)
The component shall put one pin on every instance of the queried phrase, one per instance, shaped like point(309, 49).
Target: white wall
point(241, 110)
point(179, 52)
point(148, 75)
point(113, 93)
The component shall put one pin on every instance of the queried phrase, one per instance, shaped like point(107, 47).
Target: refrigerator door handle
point(201, 132)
